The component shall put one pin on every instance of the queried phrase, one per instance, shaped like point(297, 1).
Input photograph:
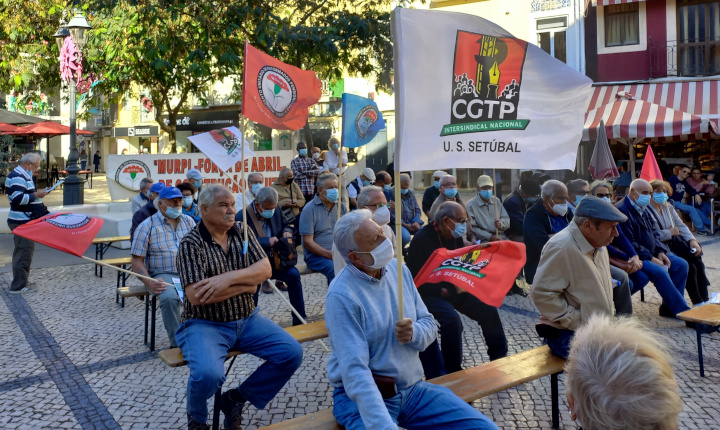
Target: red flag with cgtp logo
point(67, 232)
point(486, 271)
point(276, 94)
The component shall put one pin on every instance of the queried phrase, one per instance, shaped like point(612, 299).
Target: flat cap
point(439, 174)
point(368, 173)
point(594, 207)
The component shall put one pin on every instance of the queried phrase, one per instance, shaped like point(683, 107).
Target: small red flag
point(650, 170)
point(67, 232)
point(486, 271)
point(276, 94)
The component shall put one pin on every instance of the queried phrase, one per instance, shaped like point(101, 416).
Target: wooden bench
point(470, 385)
point(707, 320)
point(141, 292)
point(302, 333)
point(101, 245)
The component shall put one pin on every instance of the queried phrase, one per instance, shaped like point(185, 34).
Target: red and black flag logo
point(487, 79)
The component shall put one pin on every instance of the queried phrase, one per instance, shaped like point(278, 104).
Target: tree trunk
point(308, 135)
point(172, 138)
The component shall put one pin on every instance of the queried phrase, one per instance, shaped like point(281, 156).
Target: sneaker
point(665, 311)
point(28, 289)
point(266, 288)
point(232, 411)
point(194, 425)
point(517, 290)
point(704, 233)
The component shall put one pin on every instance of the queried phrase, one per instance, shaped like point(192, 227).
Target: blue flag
point(361, 120)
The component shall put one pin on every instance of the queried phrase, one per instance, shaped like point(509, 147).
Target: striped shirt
point(20, 190)
point(305, 170)
point(157, 241)
point(200, 257)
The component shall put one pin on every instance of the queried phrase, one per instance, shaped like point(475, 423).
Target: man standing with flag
point(444, 299)
point(25, 205)
point(306, 171)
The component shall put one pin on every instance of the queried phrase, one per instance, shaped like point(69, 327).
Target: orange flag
point(486, 271)
point(650, 170)
point(276, 94)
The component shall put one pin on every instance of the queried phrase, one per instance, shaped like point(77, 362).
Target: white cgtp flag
point(222, 146)
point(469, 94)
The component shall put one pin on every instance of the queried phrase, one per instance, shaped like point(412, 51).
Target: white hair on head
point(209, 194)
point(445, 179)
point(344, 233)
point(266, 194)
point(364, 197)
point(550, 188)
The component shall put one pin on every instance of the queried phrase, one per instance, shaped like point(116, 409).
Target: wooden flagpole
point(497, 233)
point(398, 239)
point(294, 311)
point(130, 272)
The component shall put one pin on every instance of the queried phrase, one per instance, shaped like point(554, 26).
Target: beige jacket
point(573, 281)
point(284, 194)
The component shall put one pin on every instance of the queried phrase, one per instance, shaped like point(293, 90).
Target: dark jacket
point(96, 159)
point(516, 208)
point(621, 247)
point(141, 215)
point(425, 242)
point(431, 193)
point(639, 231)
point(278, 226)
point(536, 232)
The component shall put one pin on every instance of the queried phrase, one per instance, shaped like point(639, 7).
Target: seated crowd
point(585, 257)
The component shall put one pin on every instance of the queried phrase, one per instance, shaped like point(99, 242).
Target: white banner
point(222, 146)
point(124, 172)
point(470, 95)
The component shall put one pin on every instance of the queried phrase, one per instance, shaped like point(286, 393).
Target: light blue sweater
point(361, 313)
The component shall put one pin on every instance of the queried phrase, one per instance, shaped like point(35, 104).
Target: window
point(698, 37)
point(551, 36)
point(622, 24)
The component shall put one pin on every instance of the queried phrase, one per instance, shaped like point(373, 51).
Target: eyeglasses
point(378, 205)
point(687, 172)
point(461, 221)
point(603, 195)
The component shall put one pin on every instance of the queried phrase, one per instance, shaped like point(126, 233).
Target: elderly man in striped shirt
point(25, 205)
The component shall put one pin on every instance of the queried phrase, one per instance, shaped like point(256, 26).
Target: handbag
point(287, 213)
point(681, 247)
point(621, 264)
point(284, 254)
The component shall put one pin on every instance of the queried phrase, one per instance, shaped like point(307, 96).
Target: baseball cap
point(170, 193)
point(194, 174)
point(368, 173)
point(439, 174)
point(157, 187)
point(484, 181)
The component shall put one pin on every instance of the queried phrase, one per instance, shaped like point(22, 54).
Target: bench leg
point(153, 308)
point(555, 401)
point(642, 294)
point(700, 355)
point(124, 279)
point(147, 318)
point(97, 257)
point(117, 295)
point(218, 394)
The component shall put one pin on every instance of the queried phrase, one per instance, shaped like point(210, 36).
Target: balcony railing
point(689, 58)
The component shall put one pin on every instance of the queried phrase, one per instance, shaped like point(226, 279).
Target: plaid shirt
point(157, 241)
point(305, 170)
point(410, 208)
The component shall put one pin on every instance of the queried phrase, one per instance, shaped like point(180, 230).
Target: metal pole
point(74, 186)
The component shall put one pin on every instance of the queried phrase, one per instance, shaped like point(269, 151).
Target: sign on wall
point(138, 131)
point(124, 172)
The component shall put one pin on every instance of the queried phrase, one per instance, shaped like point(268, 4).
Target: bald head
point(640, 185)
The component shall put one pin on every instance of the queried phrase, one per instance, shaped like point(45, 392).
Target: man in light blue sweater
point(374, 365)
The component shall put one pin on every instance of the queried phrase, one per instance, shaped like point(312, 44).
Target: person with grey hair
point(432, 192)
point(291, 199)
point(577, 190)
point(270, 228)
point(545, 218)
point(219, 280)
point(373, 199)
point(573, 279)
point(410, 211)
point(142, 198)
point(333, 157)
point(317, 222)
point(619, 377)
point(449, 193)
point(444, 300)
point(25, 205)
point(255, 181)
point(374, 366)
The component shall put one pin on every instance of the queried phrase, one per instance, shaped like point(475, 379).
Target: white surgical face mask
point(382, 216)
point(560, 209)
point(382, 255)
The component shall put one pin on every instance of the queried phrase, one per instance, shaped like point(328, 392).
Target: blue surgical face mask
point(404, 190)
point(267, 213)
point(366, 182)
point(643, 200)
point(485, 194)
point(460, 229)
point(451, 192)
point(530, 200)
point(256, 188)
point(197, 184)
point(577, 199)
point(332, 195)
point(607, 199)
point(660, 197)
point(436, 184)
point(303, 152)
point(173, 212)
point(335, 146)
point(187, 201)
point(387, 188)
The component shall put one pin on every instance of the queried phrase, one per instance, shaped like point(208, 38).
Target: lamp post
point(74, 186)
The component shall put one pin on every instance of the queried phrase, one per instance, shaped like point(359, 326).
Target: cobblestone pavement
point(74, 359)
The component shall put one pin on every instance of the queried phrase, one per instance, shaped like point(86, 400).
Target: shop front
point(138, 139)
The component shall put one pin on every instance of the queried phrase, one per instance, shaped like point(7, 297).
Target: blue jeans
point(670, 283)
point(320, 264)
point(698, 218)
point(294, 289)
point(406, 236)
point(170, 307)
point(205, 344)
point(420, 406)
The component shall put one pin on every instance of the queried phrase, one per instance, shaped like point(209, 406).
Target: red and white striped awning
point(612, 2)
point(628, 117)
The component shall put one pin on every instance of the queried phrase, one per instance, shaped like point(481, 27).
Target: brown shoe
point(266, 288)
point(281, 285)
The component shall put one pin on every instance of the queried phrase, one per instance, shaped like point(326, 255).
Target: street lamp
point(74, 186)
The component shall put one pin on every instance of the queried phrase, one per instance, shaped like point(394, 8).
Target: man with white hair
point(545, 218)
point(432, 192)
point(367, 177)
point(374, 365)
point(449, 193)
point(25, 205)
